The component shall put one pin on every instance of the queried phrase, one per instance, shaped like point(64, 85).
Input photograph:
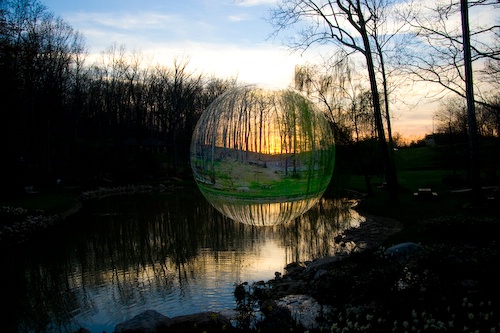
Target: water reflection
point(263, 212)
point(173, 253)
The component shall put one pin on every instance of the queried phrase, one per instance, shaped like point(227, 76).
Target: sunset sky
point(222, 37)
point(226, 38)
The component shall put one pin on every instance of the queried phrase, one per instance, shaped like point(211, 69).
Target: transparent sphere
point(262, 157)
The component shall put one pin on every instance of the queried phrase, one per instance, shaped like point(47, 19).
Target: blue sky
point(226, 38)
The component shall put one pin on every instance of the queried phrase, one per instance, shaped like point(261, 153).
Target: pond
point(173, 253)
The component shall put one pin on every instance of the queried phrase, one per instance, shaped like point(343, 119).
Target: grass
point(420, 158)
point(450, 285)
point(417, 167)
point(48, 200)
point(285, 188)
point(423, 167)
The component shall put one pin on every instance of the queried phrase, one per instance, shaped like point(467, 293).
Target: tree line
point(120, 117)
point(398, 42)
point(64, 117)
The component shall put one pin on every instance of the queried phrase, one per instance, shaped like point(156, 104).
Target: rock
point(277, 319)
point(402, 249)
point(294, 269)
point(82, 330)
point(200, 322)
point(151, 321)
point(268, 306)
point(322, 262)
point(261, 292)
point(148, 321)
point(304, 309)
point(320, 273)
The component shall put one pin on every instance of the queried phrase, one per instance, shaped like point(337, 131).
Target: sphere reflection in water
point(262, 157)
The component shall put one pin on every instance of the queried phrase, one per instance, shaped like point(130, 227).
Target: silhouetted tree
point(447, 52)
point(347, 24)
point(37, 56)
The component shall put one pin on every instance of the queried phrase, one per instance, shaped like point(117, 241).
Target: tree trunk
point(387, 113)
point(390, 171)
point(475, 176)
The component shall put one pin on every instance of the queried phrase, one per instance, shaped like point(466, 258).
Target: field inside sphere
point(260, 145)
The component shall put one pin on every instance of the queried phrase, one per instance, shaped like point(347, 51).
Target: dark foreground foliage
point(446, 286)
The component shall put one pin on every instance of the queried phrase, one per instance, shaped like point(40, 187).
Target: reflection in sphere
point(262, 157)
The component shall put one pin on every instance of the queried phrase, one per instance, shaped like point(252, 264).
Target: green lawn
point(47, 200)
point(420, 158)
point(285, 187)
point(423, 167)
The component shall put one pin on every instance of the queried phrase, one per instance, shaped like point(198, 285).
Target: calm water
point(173, 253)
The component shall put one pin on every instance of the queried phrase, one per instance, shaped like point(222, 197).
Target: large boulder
point(200, 322)
point(403, 250)
point(82, 330)
point(149, 321)
point(305, 310)
point(277, 319)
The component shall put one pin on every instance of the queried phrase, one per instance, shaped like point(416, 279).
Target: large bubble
point(262, 157)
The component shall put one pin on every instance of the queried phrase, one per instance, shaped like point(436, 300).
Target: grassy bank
point(47, 200)
point(424, 167)
point(447, 285)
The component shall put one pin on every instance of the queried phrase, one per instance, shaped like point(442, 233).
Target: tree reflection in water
point(173, 253)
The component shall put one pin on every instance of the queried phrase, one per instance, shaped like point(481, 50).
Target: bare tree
point(389, 36)
point(471, 107)
point(451, 120)
point(38, 52)
point(346, 24)
point(437, 52)
point(491, 116)
point(332, 85)
point(451, 117)
point(447, 53)
point(339, 89)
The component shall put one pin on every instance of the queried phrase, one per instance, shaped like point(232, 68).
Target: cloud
point(220, 38)
point(252, 3)
point(218, 47)
point(136, 29)
point(136, 22)
point(238, 18)
point(260, 64)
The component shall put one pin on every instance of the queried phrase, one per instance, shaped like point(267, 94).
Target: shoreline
point(36, 221)
point(288, 293)
point(373, 232)
point(369, 234)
